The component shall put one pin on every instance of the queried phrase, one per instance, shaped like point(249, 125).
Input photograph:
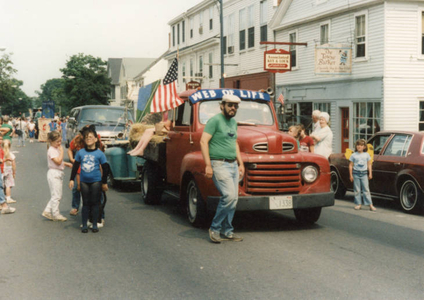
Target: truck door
point(178, 143)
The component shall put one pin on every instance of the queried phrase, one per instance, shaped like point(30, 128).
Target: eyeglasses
point(89, 138)
point(235, 105)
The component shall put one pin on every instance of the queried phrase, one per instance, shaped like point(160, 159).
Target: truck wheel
point(337, 186)
point(307, 216)
point(196, 208)
point(410, 197)
point(149, 181)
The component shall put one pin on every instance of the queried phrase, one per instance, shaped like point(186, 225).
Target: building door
point(345, 128)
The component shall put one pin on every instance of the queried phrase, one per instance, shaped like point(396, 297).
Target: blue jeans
point(225, 177)
point(361, 185)
point(2, 197)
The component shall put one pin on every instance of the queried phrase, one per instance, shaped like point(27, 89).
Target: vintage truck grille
point(287, 147)
point(273, 178)
point(261, 147)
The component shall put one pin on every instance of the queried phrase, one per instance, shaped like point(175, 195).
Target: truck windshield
point(258, 113)
point(105, 115)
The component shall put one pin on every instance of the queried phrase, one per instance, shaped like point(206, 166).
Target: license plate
point(281, 202)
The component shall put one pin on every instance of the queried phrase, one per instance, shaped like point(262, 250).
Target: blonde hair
point(298, 131)
point(53, 136)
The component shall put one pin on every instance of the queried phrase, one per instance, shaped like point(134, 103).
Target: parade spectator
point(221, 153)
point(92, 160)
point(306, 142)
point(323, 137)
point(76, 144)
point(315, 121)
point(21, 131)
point(31, 131)
point(37, 116)
point(7, 129)
point(9, 170)
point(294, 131)
point(55, 176)
point(53, 125)
point(63, 124)
point(360, 170)
point(4, 207)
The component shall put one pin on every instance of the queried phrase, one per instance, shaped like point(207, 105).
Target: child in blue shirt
point(92, 179)
point(360, 170)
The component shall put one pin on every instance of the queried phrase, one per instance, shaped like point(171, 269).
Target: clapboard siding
point(300, 9)
point(341, 31)
point(404, 72)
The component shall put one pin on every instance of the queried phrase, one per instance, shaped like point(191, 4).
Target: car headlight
point(310, 174)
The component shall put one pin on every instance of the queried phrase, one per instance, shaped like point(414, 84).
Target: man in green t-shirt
point(224, 165)
point(6, 129)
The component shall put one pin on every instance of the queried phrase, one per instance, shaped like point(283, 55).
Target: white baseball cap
point(230, 99)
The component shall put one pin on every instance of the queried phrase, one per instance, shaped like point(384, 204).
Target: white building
point(195, 34)
point(387, 74)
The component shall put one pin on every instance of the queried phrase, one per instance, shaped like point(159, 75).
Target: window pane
point(242, 39)
point(421, 127)
point(421, 104)
point(251, 37)
point(421, 115)
point(264, 33)
point(324, 34)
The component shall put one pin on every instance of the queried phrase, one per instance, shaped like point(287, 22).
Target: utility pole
point(221, 19)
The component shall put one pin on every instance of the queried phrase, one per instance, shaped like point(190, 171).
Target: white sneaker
point(89, 224)
point(60, 218)
point(10, 200)
point(8, 210)
point(47, 215)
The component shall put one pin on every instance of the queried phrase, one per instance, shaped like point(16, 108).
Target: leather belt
point(225, 160)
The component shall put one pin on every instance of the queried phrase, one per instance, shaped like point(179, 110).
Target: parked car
point(398, 169)
point(110, 121)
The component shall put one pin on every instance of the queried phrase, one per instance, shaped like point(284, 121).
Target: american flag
point(166, 96)
point(281, 99)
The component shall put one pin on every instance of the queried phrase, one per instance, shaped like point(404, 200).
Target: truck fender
point(193, 165)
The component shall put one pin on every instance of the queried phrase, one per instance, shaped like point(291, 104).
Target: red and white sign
point(277, 60)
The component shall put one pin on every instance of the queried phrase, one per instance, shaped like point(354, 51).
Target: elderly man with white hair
point(324, 137)
point(315, 119)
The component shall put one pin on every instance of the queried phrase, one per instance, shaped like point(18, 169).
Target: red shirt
point(1, 157)
point(306, 143)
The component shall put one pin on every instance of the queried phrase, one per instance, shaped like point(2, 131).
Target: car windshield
point(249, 112)
point(105, 115)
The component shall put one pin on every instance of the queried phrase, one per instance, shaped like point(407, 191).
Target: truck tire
point(150, 192)
point(195, 206)
point(307, 216)
point(112, 180)
point(337, 186)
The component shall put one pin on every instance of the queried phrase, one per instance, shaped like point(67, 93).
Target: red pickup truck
point(277, 177)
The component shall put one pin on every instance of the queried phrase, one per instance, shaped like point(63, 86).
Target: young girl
point(55, 176)
point(360, 169)
point(31, 131)
point(9, 171)
point(91, 178)
point(294, 131)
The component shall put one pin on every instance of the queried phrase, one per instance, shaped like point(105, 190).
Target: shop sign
point(277, 61)
point(193, 85)
point(333, 60)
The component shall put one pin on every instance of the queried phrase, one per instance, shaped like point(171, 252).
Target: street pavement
point(152, 252)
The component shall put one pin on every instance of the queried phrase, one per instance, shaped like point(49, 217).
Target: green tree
point(12, 99)
point(85, 81)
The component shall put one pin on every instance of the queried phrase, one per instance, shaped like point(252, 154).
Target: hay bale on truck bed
point(137, 131)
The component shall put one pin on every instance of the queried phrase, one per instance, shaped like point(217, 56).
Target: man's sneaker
point(214, 236)
point(8, 210)
point(233, 237)
point(47, 215)
point(10, 200)
point(60, 218)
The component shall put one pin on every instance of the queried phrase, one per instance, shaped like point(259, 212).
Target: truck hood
point(258, 140)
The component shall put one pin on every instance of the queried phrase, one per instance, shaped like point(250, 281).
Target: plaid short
point(8, 179)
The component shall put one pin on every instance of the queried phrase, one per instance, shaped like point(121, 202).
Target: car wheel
point(410, 197)
point(307, 216)
point(150, 191)
point(195, 206)
point(337, 186)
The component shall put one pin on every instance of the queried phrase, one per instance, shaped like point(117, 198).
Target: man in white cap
point(224, 165)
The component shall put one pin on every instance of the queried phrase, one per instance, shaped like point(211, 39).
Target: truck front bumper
point(278, 202)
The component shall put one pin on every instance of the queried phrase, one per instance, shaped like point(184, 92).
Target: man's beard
point(227, 115)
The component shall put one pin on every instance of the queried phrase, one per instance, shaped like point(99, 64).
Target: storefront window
point(366, 119)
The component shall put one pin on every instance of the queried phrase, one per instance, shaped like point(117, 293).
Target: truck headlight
point(310, 174)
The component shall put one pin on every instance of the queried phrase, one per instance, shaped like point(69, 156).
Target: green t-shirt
point(224, 137)
point(7, 135)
